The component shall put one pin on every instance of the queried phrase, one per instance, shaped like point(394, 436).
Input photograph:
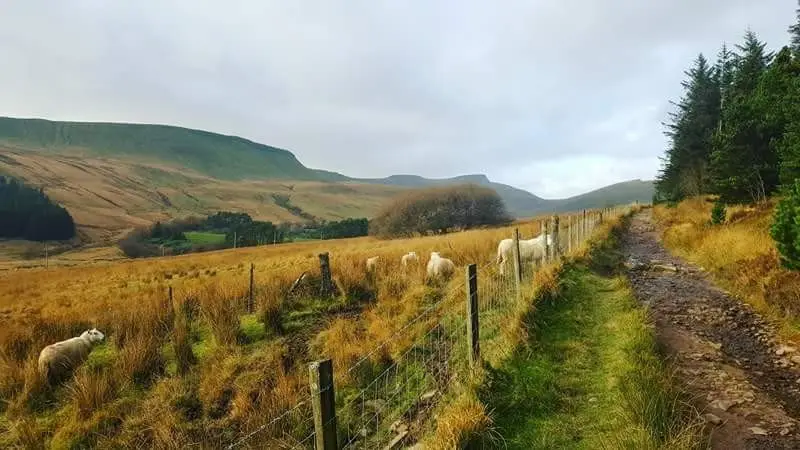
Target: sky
point(550, 96)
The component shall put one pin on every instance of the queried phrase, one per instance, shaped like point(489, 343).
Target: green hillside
point(220, 156)
point(233, 158)
point(615, 194)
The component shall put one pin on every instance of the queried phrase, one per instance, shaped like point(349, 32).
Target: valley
point(114, 177)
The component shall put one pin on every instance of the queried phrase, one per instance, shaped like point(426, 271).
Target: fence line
point(398, 396)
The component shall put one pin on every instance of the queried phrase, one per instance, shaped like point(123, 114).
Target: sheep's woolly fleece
point(57, 359)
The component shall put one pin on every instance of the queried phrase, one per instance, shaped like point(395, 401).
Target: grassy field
point(591, 378)
point(204, 237)
point(740, 255)
point(205, 371)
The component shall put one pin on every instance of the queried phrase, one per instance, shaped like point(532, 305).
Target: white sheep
point(372, 263)
point(56, 360)
point(438, 266)
point(529, 250)
point(408, 258)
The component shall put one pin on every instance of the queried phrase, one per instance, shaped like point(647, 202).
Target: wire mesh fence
point(394, 388)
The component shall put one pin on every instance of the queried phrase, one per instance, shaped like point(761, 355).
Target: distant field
point(203, 237)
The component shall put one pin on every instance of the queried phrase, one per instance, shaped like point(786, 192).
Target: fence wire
point(395, 394)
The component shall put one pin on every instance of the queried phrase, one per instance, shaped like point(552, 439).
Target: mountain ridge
point(233, 159)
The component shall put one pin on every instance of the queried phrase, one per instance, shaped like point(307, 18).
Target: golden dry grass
point(200, 370)
point(109, 195)
point(740, 255)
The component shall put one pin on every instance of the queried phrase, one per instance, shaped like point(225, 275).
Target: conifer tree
point(744, 163)
point(684, 169)
point(794, 31)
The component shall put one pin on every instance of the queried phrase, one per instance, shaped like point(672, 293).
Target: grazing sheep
point(372, 263)
point(438, 266)
point(59, 359)
point(529, 250)
point(408, 258)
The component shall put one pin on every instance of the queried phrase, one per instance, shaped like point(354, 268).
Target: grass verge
point(592, 378)
point(588, 374)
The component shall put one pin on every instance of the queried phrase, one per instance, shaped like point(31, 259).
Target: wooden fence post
point(323, 402)
point(556, 240)
point(517, 262)
point(251, 297)
point(569, 235)
point(585, 227)
point(546, 227)
point(473, 337)
point(326, 289)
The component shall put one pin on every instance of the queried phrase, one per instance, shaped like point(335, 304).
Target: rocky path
point(746, 384)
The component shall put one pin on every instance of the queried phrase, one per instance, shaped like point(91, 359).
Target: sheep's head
point(435, 255)
point(94, 335)
point(412, 253)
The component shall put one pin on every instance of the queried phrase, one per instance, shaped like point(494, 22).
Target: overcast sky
point(556, 97)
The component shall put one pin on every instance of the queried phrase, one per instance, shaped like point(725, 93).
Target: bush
point(439, 210)
point(785, 228)
point(718, 213)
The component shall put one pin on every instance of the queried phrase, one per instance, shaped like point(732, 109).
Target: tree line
point(230, 229)
point(28, 213)
point(736, 130)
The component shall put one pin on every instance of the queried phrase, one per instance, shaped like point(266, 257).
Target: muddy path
point(745, 383)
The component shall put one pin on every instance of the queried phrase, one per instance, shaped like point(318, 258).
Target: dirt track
point(746, 384)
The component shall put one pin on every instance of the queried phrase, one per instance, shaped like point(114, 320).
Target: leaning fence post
point(323, 403)
point(250, 299)
point(473, 337)
point(556, 240)
point(325, 269)
point(517, 262)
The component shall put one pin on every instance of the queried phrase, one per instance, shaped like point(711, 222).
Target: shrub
point(440, 209)
point(785, 228)
point(718, 213)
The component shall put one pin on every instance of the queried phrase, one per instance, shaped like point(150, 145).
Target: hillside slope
point(115, 175)
point(216, 155)
point(108, 196)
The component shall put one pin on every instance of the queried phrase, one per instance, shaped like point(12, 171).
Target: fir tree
point(684, 169)
point(778, 99)
point(744, 163)
point(794, 31)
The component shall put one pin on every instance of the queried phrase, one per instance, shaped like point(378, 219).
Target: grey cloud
point(371, 88)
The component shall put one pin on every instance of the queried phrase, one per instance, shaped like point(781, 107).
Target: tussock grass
point(219, 307)
point(740, 256)
point(90, 391)
point(207, 373)
point(465, 420)
point(181, 341)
